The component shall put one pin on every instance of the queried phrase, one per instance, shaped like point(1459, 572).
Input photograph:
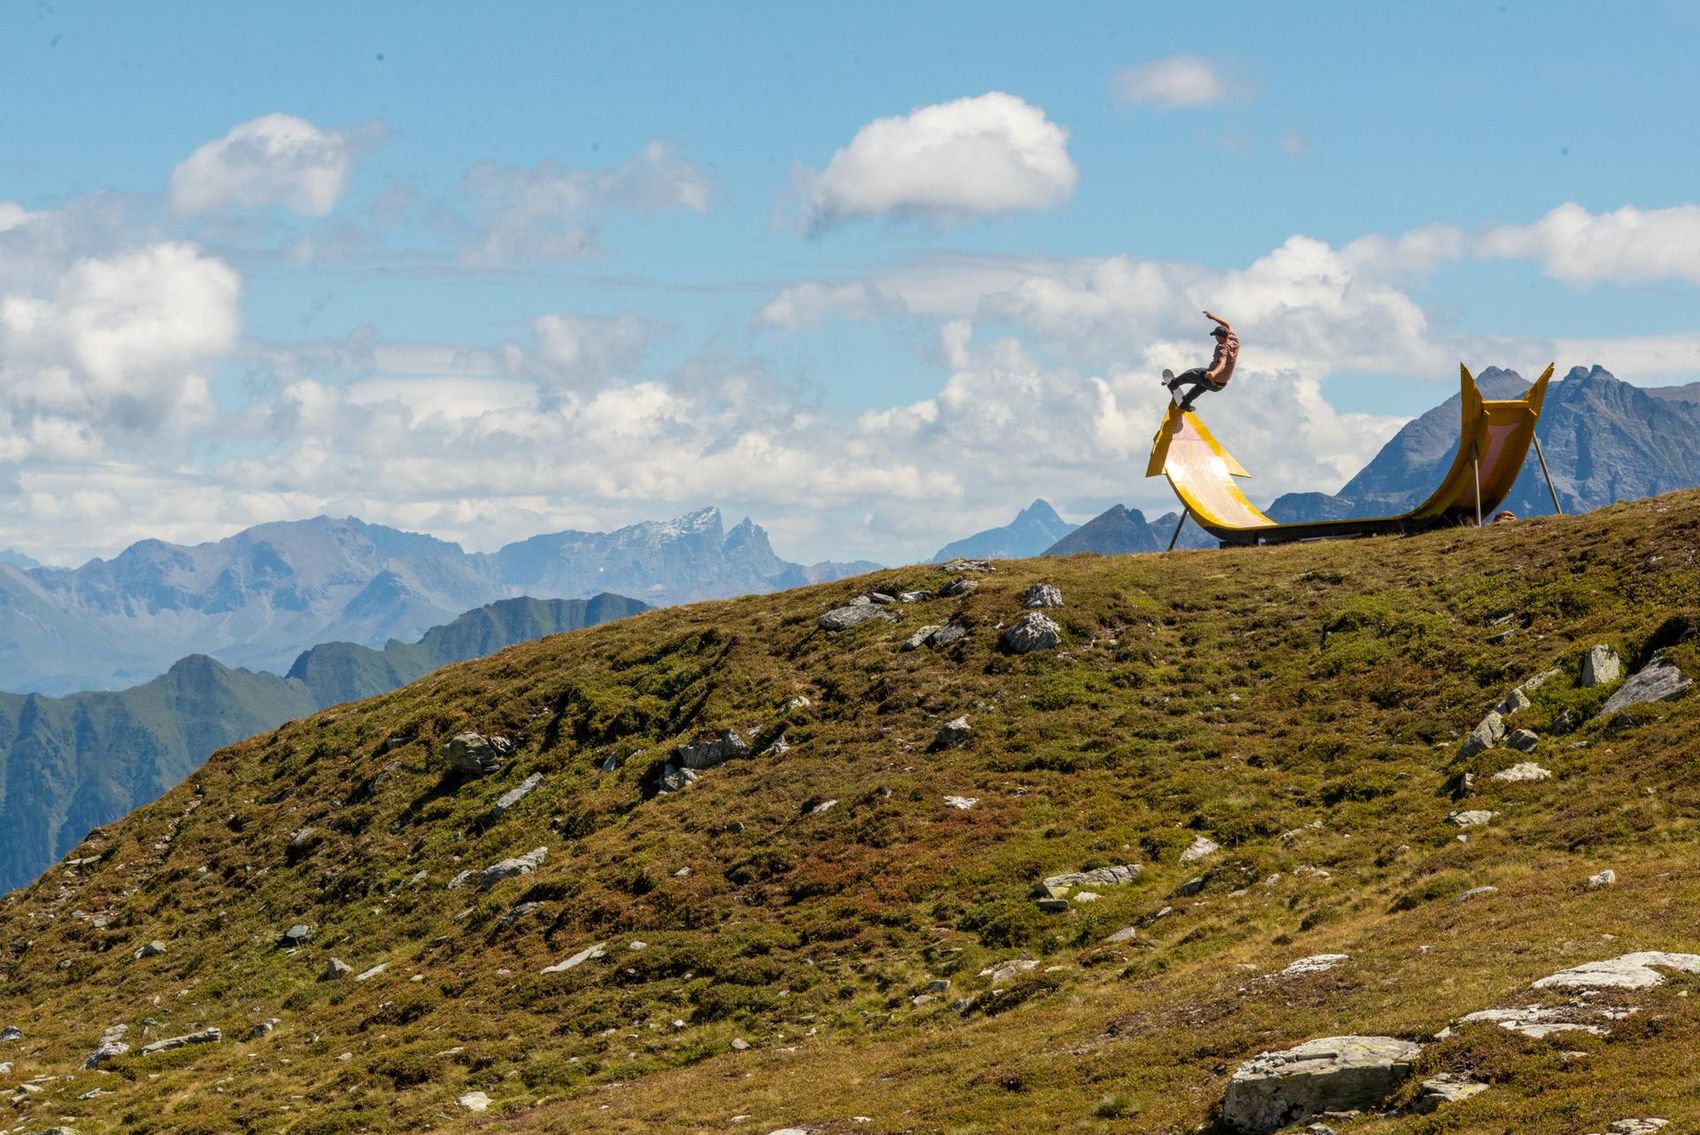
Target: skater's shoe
point(1168, 378)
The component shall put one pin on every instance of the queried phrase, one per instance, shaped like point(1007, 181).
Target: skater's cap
point(1220, 330)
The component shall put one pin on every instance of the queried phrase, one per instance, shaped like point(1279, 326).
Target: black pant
point(1194, 377)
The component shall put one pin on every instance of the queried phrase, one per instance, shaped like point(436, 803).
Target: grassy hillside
point(771, 957)
point(70, 763)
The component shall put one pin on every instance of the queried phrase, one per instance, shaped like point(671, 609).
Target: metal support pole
point(1476, 463)
point(1178, 527)
point(1556, 507)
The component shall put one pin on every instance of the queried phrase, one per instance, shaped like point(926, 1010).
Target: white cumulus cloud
point(1628, 245)
point(974, 157)
point(1174, 81)
point(118, 340)
point(276, 160)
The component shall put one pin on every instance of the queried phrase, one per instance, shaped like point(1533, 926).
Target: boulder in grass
point(711, 750)
point(1600, 667)
point(1659, 680)
point(508, 868)
point(475, 754)
point(953, 734)
point(1032, 632)
point(1337, 1073)
point(209, 1035)
point(1042, 595)
point(1489, 733)
point(843, 618)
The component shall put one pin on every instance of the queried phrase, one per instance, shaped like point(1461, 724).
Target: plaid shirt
point(1222, 362)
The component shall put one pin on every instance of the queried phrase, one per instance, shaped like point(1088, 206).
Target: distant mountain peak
point(1034, 529)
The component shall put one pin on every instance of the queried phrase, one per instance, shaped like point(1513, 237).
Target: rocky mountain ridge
point(259, 598)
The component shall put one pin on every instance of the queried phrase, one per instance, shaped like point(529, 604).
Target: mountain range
point(1604, 439)
point(71, 763)
point(259, 598)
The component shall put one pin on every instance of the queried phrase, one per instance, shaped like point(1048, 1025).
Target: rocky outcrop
point(508, 868)
point(473, 754)
point(1339, 1073)
point(854, 615)
point(1600, 667)
point(1031, 632)
point(208, 1035)
point(1058, 886)
point(1042, 595)
point(1659, 680)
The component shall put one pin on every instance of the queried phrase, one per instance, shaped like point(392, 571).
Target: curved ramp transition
point(1494, 438)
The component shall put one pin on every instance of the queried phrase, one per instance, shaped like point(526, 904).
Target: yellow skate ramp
point(1494, 439)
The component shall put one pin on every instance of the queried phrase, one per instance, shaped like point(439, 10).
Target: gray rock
point(152, 949)
point(1639, 970)
point(1474, 818)
point(947, 634)
point(508, 868)
point(1316, 963)
point(1523, 772)
point(1342, 1073)
point(459, 880)
point(475, 754)
point(296, 935)
point(1523, 740)
point(1476, 893)
point(11, 1033)
point(1444, 1089)
point(519, 911)
point(1659, 680)
point(337, 969)
point(1042, 595)
point(778, 747)
point(265, 1028)
point(914, 596)
point(919, 638)
point(669, 777)
point(374, 971)
point(514, 795)
point(953, 734)
point(610, 763)
point(475, 1101)
point(1058, 886)
point(820, 806)
point(1534, 1021)
point(961, 803)
point(588, 954)
point(843, 618)
point(1539, 680)
point(939, 985)
point(711, 750)
point(111, 1044)
point(1649, 1125)
point(1514, 701)
point(1054, 906)
point(958, 587)
point(960, 565)
point(1600, 667)
point(881, 598)
point(1487, 734)
point(1031, 632)
point(210, 1035)
point(739, 1044)
point(1202, 848)
point(1605, 878)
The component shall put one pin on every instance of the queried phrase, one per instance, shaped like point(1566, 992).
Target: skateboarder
point(1216, 375)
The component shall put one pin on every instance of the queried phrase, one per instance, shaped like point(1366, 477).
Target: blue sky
point(876, 276)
